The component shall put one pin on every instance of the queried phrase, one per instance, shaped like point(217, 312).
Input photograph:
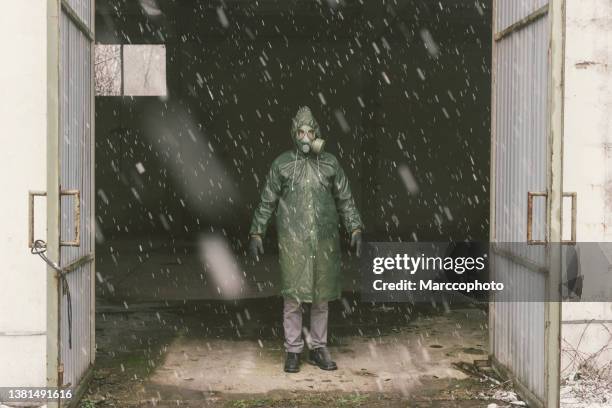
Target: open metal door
point(75, 175)
point(526, 194)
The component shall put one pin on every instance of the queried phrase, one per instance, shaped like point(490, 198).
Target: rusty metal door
point(76, 185)
point(526, 194)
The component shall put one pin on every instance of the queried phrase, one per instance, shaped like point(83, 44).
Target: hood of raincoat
point(303, 117)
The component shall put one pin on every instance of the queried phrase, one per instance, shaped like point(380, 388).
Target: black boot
point(321, 358)
point(292, 362)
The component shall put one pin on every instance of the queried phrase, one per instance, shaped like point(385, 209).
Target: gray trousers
point(292, 323)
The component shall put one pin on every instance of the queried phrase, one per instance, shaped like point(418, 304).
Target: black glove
point(356, 241)
point(256, 246)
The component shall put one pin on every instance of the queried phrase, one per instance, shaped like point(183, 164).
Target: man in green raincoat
point(310, 193)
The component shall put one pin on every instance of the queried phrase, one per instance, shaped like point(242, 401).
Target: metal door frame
point(55, 8)
point(53, 196)
point(552, 342)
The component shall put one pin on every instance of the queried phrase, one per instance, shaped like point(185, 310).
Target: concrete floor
point(219, 351)
point(395, 362)
point(165, 337)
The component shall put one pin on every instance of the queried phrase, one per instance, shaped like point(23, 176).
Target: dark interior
point(395, 85)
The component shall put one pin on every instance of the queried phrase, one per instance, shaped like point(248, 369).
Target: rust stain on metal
point(585, 64)
point(77, 218)
point(572, 240)
point(530, 195)
point(31, 195)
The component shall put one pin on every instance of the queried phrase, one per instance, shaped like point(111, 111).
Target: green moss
point(306, 400)
point(250, 403)
point(86, 403)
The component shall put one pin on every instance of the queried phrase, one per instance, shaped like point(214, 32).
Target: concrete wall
point(587, 170)
point(23, 129)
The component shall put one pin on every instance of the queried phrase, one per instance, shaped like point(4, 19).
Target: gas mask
point(307, 140)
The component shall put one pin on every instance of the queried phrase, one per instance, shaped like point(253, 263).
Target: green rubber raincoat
point(310, 194)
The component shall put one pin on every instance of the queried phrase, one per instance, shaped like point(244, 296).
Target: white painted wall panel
point(587, 170)
point(23, 167)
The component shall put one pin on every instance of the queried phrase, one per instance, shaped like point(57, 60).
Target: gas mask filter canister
point(317, 146)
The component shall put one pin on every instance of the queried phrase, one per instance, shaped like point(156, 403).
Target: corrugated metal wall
point(510, 11)
point(76, 166)
point(520, 137)
point(83, 9)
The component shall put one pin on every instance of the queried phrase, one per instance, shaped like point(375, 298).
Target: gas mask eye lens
point(306, 133)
